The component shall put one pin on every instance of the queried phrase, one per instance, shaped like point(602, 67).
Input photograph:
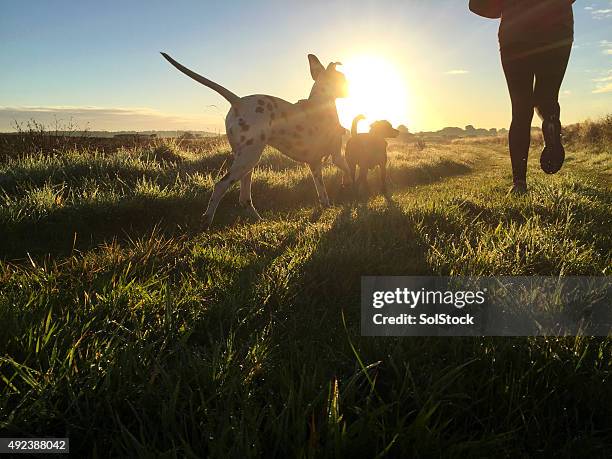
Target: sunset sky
point(99, 62)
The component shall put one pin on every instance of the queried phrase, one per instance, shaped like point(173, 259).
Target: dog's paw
point(249, 211)
point(316, 215)
point(252, 213)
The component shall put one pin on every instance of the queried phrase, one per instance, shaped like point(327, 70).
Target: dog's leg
point(354, 184)
point(353, 172)
point(383, 180)
point(362, 180)
point(348, 180)
point(340, 162)
point(336, 153)
point(245, 160)
point(317, 176)
point(246, 201)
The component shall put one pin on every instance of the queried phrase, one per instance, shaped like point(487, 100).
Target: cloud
point(604, 83)
point(607, 47)
point(104, 118)
point(601, 13)
point(457, 72)
point(601, 89)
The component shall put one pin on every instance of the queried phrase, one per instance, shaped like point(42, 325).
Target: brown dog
point(368, 151)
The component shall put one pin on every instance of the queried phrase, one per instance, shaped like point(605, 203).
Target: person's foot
point(519, 188)
point(553, 154)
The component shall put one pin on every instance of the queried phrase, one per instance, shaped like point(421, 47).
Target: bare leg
point(246, 201)
point(244, 162)
point(550, 70)
point(520, 74)
point(317, 176)
point(549, 73)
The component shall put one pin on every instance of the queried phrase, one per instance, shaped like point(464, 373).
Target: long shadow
point(237, 299)
point(363, 240)
point(84, 227)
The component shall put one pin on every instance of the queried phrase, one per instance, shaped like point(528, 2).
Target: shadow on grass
point(309, 336)
point(81, 227)
point(363, 240)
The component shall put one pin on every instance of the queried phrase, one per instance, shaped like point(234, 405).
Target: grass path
point(244, 341)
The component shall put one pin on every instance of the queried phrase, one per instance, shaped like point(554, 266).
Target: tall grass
point(134, 333)
point(596, 134)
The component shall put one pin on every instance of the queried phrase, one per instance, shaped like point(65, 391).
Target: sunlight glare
point(376, 90)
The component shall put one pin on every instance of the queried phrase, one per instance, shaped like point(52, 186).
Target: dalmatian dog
point(307, 131)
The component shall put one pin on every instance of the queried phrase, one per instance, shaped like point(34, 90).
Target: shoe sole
point(552, 159)
point(553, 155)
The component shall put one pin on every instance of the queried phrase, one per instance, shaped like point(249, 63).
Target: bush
point(590, 133)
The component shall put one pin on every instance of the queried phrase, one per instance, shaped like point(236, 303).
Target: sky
point(99, 63)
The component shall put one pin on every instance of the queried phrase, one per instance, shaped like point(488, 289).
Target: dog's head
point(329, 82)
point(383, 129)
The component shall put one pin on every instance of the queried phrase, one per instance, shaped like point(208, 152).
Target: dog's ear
point(315, 66)
point(332, 65)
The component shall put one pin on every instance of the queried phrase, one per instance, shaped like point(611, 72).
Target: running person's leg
point(519, 73)
point(549, 73)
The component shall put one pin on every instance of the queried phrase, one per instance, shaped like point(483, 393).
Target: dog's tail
point(356, 121)
point(229, 95)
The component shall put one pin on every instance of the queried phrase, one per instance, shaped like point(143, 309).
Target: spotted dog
point(307, 131)
point(368, 151)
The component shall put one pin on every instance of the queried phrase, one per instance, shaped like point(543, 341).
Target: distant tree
point(469, 127)
point(403, 129)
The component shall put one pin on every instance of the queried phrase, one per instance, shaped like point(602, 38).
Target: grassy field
point(128, 329)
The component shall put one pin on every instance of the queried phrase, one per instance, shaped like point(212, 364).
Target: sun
point(376, 90)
